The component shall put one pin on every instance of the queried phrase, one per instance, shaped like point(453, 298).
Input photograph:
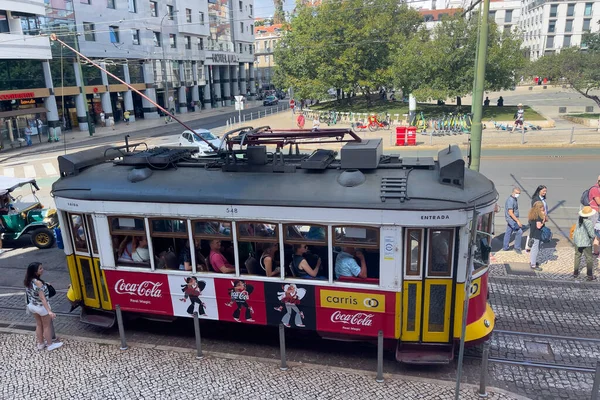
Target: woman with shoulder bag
point(583, 238)
point(536, 219)
point(38, 295)
point(538, 195)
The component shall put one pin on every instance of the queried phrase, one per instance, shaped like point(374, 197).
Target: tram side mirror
point(451, 167)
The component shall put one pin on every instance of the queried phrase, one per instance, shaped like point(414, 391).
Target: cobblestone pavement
point(92, 370)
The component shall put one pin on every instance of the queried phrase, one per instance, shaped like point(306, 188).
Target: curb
point(295, 364)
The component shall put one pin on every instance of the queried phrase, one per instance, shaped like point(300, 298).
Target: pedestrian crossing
point(37, 171)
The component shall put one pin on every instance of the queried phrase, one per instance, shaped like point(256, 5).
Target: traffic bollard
point(596, 385)
point(523, 136)
point(197, 332)
point(250, 116)
point(572, 132)
point(379, 357)
point(431, 138)
point(484, 371)
point(283, 366)
point(121, 328)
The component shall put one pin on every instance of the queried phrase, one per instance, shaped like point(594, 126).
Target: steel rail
point(546, 335)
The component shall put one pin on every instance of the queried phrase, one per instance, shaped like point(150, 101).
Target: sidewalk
point(97, 369)
point(120, 129)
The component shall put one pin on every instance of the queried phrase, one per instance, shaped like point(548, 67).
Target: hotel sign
point(219, 58)
point(15, 96)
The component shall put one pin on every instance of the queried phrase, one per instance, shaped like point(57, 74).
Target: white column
point(105, 97)
point(217, 83)
point(195, 91)
point(235, 79)
point(182, 96)
point(226, 85)
point(150, 110)
point(207, 100)
point(243, 79)
point(50, 101)
point(128, 95)
point(252, 83)
point(80, 102)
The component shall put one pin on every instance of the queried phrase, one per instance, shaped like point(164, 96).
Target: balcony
point(24, 47)
point(35, 7)
point(263, 51)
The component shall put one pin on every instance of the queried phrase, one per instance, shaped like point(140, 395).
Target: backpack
point(546, 236)
point(585, 197)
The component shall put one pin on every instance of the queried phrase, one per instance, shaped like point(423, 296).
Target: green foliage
point(439, 64)
point(576, 67)
point(342, 44)
point(263, 22)
point(592, 40)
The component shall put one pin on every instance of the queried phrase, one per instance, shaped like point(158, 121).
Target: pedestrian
point(102, 119)
point(292, 105)
point(300, 121)
point(316, 124)
point(486, 102)
point(583, 238)
point(126, 116)
point(538, 195)
point(27, 133)
point(513, 224)
point(40, 125)
point(536, 219)
point(594, 202)
point(38, 295)
point(500, 102)
point(519, 118)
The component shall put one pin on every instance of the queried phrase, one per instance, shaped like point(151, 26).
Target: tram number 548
point(231, 210)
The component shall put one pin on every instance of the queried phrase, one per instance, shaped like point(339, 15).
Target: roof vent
point(364, 154)
point(319, 159)
point(139, 174)
point(452, 167)
point(351, 178)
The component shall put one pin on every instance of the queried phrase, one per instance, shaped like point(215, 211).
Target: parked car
point(270, 101)
point(26, 217)
point(194, 140)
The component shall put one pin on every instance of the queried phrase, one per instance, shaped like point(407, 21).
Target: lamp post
point(166, 77)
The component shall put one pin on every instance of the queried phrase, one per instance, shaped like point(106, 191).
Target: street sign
point(239, 103)
point(239, 99)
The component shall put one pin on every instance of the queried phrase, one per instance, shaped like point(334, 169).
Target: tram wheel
point(42, 238)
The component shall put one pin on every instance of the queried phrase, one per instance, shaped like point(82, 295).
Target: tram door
point(428, 287)
point(87, 259)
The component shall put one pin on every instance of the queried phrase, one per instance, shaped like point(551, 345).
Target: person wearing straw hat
point(583, 238)
point(519, 118)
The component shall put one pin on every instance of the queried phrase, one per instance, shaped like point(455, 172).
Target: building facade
point(265, 39)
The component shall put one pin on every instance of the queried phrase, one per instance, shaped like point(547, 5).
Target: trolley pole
point(477, 102)
point(468, 274)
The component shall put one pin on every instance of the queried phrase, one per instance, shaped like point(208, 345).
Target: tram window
point(305, 233)
point(78, 232)
point(440, 252)
point(170, 244)
point(265, 261)
point(217, 229)
point(129, 241)
point(356, 245)
point(257, 241)
point(90, 224)
point(483, 245)
point(210, 236)
point(413, 252)
point(257, 231)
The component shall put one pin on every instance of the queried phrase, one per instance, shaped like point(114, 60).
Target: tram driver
point(346, 265)
point(217, 260)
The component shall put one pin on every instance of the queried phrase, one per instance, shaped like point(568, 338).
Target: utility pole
point(85, 101)
point(477, 101)
point(164, 43)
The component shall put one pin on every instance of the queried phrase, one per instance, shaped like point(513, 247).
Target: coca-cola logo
point(144, 289)
point(358, 319)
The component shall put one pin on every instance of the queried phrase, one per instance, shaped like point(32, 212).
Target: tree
point(346, 45)
point(279, 17)
point(592, 40)
point(577, 67)
point(438, 64)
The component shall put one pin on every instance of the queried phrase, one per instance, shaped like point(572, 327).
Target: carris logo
point(145, 289)
point(359, 319)
point(369, 302)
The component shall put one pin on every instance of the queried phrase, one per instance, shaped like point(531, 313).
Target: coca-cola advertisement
point(356, 312)
point(292, 305)
point(193, 293)
point(140, 292)
point(239, 300)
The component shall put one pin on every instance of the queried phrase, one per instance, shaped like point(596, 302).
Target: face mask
point(517, 195)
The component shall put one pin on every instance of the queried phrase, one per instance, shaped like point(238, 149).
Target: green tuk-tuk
point(20, 217)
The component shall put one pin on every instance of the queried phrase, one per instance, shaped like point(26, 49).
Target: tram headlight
point(486, 323)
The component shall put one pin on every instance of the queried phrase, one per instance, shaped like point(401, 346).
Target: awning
point(23, 111)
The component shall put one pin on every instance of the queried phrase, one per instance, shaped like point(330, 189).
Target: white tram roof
point(390, 183)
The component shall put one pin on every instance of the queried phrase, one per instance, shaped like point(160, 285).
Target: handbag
point(51, 290)
point(546, 234)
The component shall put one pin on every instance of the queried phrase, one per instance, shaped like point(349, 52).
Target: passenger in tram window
point(141, 253)
point(133, 249)
point(346, 265)
point(186, 256)
point(316, 233)
point(217, 260)
point(440, 251)
point(300, 266)
point(167, 260)
point(268, 261)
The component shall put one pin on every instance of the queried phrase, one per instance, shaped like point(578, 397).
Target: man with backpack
point(591, 197)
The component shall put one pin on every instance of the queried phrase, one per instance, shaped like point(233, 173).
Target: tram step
point(424, 353)
point(104, 319)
